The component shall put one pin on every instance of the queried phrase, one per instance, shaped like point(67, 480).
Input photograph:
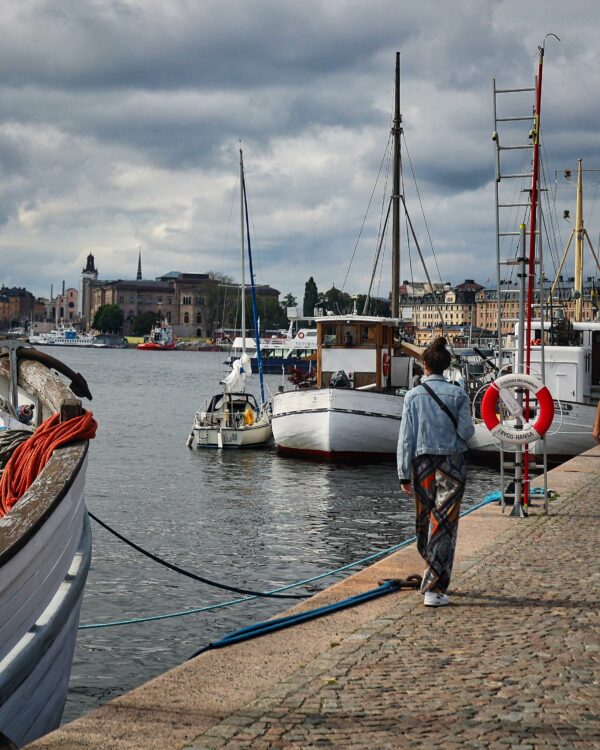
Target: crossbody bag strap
point(441, 404)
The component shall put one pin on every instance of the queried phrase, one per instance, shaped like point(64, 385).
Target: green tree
point(337, 301)
point(142, 325)
point(289, 300)
point(311, 297)
point(377, 306)
point(270, 312)
point(108, 318)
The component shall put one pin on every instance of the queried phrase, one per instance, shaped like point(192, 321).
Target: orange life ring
point(536, 342)
point(529, 433)
point(385, 366)
point(300, 334)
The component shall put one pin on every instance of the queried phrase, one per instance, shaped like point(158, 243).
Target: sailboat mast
point(243, 233)
point(579, 232)
point(396, 130)
point(534, 210)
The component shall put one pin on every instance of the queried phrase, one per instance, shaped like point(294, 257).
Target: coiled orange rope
point(30, 457)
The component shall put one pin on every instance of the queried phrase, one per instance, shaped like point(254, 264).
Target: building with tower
point(89, 275)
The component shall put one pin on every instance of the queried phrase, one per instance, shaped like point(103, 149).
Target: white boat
point(291, 349)
point(233, 418)
point(362, 369)
point(45, 552)
point(358, 416)
point(62, 336)
point(572, 374)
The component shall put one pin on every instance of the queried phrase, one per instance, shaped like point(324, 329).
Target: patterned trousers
point(439, 485)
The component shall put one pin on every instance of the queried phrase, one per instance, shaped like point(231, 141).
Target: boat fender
point(529, 433)
point(385, 367)
point(248, 416)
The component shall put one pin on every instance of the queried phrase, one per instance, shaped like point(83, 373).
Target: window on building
point(186, 318)
point(198, 317)
point(199, 300)
point(169, 300)
point(140, 298)
point(149, 299)
point(121, 300)
point(186, 299)
point(159, 300)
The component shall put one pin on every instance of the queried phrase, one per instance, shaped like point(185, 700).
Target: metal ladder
point(509, 173)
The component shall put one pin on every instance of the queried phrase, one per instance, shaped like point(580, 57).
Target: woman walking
point(436, 423)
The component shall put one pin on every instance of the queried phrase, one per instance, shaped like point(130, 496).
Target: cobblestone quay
point(511, 663)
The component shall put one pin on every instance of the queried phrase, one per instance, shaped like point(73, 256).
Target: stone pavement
point(512, 663)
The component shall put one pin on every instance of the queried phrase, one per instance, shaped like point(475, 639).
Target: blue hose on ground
point(270, 626)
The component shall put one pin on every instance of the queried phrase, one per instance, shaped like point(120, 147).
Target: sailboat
point(545, 342)
point(363, 371)
point(233, 418)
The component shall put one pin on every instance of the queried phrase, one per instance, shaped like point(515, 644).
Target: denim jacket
point(426, 428)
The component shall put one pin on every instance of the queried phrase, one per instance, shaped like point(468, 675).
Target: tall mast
point(396, 130)
point(243, 230)
point(579, 232)
point(534, 209)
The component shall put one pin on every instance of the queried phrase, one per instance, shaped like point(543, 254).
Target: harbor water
point(251, 519)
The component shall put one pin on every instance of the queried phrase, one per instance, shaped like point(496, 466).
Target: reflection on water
point(252, 519)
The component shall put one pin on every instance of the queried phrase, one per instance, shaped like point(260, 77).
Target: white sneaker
point(435, 599)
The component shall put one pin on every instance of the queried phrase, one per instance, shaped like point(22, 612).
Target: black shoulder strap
point(441, 404)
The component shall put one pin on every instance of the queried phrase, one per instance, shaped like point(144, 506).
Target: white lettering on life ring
point(528, 433)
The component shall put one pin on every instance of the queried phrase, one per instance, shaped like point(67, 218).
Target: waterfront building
point(194, 304)
point(452, 306)
point(18, 307)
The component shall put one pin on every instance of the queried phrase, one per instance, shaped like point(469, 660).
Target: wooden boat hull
point(45, 553)
point(334, 423)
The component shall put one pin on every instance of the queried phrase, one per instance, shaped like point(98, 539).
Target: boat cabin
point(363, 347)
point(230, 410)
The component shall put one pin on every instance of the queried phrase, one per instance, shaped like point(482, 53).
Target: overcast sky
point(120, 124)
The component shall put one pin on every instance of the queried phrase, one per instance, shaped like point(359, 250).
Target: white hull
point(232, 437)
point(45, 553)
point(569, 435)
point(337, 422)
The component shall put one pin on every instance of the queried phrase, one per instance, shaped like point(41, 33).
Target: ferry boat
point(62, 336)
point(280, 352)
point(45, 553)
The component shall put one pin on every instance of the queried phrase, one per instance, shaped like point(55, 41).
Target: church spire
point(139, 271)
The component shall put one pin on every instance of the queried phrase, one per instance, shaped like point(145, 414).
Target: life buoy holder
point(529, 433)
point(300, 334)
point(385, 366)
point(536, 342)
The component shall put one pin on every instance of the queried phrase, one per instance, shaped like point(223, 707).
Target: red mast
point(532, 245)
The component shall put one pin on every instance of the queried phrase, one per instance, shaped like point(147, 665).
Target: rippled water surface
point(251, 519)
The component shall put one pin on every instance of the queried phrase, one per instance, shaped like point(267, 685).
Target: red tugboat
point(161, 337)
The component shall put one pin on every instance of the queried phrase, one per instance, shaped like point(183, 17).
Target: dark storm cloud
point(119, 122)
